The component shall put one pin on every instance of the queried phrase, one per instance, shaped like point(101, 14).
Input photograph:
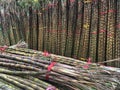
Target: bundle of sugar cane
point(37, 65)
point(65, 71)
point(39, 54)
point(21, 75)
point(23, 83)
point(69, 76)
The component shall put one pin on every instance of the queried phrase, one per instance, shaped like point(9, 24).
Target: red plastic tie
point(102, 31)
point(51, 88)
point(94, 32)
point(102, 13)
point(111, 10)
point(118, 25)
point(50, 68)
point(89, 61)
point(45, 53)
point(51, 65)
point(2, 48)
point(86, 66)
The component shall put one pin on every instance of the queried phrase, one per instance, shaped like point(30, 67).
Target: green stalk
point(38, 82)
point(7, 85)
point(20, 73)
point(7, 79)
point(11, 65)
point(26, 60)
point(25, 82)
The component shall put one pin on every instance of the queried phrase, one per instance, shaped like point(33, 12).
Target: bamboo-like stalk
point(4, 84)
point(3, 64)
point(26, 60)
point(19, 73)
point(25, 82)
point(22, 86)
point(38, 82)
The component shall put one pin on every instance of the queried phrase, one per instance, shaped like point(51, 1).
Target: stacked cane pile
point(26, 69)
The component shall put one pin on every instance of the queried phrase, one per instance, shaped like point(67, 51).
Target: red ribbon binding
point(51, 88)
point(86, 66)
point(50, 68)
point(45, 53)
point(2, 48)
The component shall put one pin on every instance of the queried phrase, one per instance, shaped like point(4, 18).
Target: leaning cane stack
point(27, 69)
